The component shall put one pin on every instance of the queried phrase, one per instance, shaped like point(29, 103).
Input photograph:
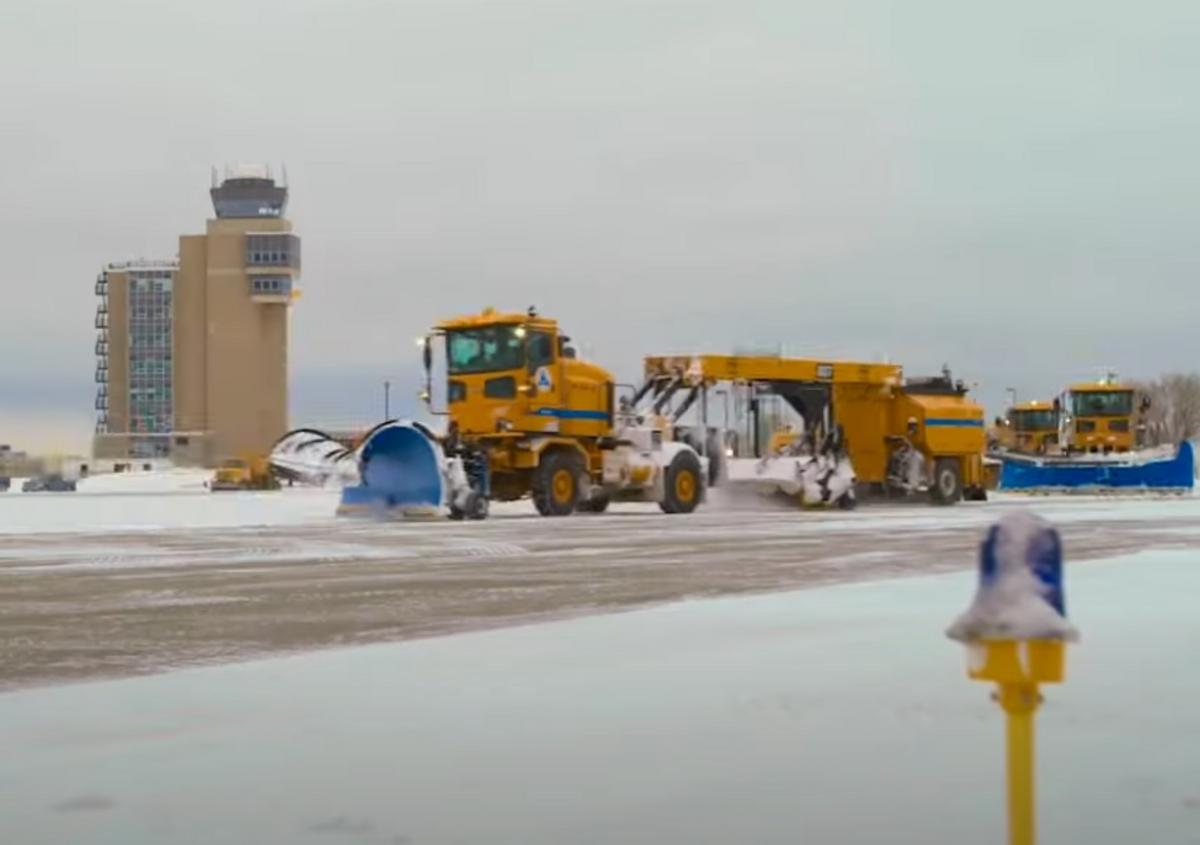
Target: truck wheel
point(715, 450)
point(976, 494)
point(596, 504)
point(556, 483)
point(476, 507)
point(684, 484)
point(947, 481)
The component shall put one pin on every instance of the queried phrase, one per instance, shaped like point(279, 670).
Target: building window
point(271, 285)
point(280, 249)
point(150, 338)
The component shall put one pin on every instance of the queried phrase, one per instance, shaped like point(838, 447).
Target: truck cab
point(512, 374)
point(1099, 417)
point(1034, 427)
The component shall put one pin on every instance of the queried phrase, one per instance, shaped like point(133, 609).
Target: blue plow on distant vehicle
point(1136, 471)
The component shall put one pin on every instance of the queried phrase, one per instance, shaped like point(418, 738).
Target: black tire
point(477, 507)
point(947, 485)
point(847, 502)
point(715, 450)
point(683, 485)
point(597, 504)
point(556, 483)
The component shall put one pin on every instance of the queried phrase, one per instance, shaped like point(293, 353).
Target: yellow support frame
point(714, 368)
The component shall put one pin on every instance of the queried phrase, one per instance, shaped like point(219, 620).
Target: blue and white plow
point(399, 469)
point(1171, 470)
point(403, 471)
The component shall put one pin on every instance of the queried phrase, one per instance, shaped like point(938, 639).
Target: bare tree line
point(1174, 411)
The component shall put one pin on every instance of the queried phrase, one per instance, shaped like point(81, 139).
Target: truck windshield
point(1040, 420)
point(484, 350)
point(1102, 403)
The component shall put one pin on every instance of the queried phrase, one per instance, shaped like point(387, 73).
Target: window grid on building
point(102, 353)
point(150, 342)
point(270, 285)
point(280, 249)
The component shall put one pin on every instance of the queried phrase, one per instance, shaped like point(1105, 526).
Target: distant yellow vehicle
point(1034, 427)
point(246, 473)
point(1100, 417)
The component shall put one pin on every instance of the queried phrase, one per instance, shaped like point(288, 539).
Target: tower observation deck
point(248, 192)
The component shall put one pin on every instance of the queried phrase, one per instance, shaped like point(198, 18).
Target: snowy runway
point(118, 581)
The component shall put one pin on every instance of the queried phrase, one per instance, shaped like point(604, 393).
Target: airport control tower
point(195, 349)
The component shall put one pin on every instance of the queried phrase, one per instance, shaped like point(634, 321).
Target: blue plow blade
point(400, 465)
point(1081, 473)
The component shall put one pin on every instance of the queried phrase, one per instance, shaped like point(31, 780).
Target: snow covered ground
point(152, 501)
point(837, 715)
point(150, 572)
point(156, 500)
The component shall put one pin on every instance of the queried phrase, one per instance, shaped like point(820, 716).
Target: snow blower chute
point(397, 468)
point(403, 469)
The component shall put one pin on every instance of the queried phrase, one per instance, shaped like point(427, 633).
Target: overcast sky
point(1010, 188)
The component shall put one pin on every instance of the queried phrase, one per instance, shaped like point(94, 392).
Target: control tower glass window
point(270, 285)
point(249, 196)
point(273, 250)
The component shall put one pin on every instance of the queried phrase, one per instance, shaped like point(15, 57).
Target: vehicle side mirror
point(568, 352)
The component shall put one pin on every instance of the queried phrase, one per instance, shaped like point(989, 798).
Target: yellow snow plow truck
point(901, 436)
point(525, 417)
point(1101, 417)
